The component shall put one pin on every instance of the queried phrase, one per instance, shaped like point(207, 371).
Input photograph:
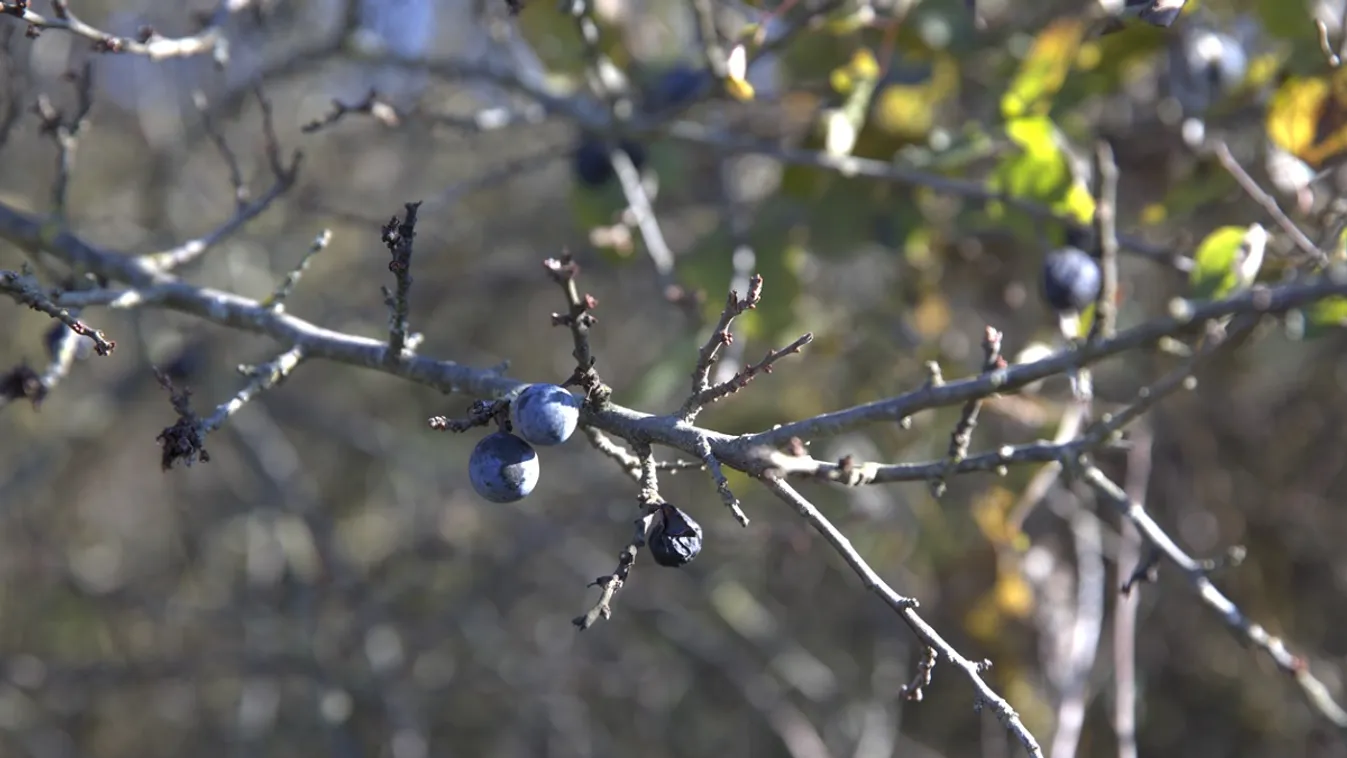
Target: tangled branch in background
point(634, 439)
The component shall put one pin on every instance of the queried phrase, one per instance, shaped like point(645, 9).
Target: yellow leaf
point(863, 63)
point(1089, 56)
point(1325, 316)
point(932, 316)
point(983, 621)
point(989, 513)
point(1044, 69)
point(1308, 117)
point(1293, 113)
point(840, 78)
point(739, 89)
point(904, 110)
point(1014, 596)
point(1078, 203)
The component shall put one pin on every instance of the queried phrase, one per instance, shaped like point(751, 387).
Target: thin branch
point(1269, 204)
point(380, 110)
point(1125, 608)
point(147, 41)
point(284, 175)
point(276, 301)
point(708, 37)
point(24, 288)
point(708, 457)
point(650, 501)
point(185, 440)
point(1258, 300)
point(629, 461)
point(1105, 322)
point(907, 609)
point(962, 436)
point(1195, 572)
point(480, 413)
point(579, 318)
point(65, 133)
point(1091, 581)
point(741, 378)
point(399, 237)
point(720, 337)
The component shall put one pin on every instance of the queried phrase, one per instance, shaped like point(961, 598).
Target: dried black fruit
point(676, 538)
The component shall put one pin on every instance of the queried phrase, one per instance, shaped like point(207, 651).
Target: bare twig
point(579, 318)
point(915, 690)
point(276, 301)
point(629, 461)
point(1090, 592)
point(708, 38)
point(65, 132)
point(1196, 574)
point(708, 457)
point(185, 440)
point(720, 336)
point(399, 237)
point(23, 287)
point(1125, 607)
point(371, 105)
point(147, 41)
point(649, 499)
point(480, 413)
point(907, 609)
point(962, 436)
point(1106, 232)
point(1269, 204)
point(742, 378)
point(284, 175)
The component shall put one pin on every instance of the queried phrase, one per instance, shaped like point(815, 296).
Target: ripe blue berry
point(545, 414)
point(503, 468)
point(1071, 279)
point(592, 165)
point(676, 538)
point(676, 86)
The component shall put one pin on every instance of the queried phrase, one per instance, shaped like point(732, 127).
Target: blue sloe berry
point(592, 165)
point(1071, 279)
point(676, 538)
point(503, 468)
point(545, 414)
point(676, 86)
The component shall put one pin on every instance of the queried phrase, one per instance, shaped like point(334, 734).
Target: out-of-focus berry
point(1071, 279)
point(593, 167)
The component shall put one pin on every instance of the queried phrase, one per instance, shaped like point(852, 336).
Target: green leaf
point(1043, 70)
point(1039, 171)
point(1325, 317)
point(1214, 273)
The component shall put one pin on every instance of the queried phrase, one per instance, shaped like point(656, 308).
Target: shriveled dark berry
point(591, 162)
point(1071, 279)
point(676, 538)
